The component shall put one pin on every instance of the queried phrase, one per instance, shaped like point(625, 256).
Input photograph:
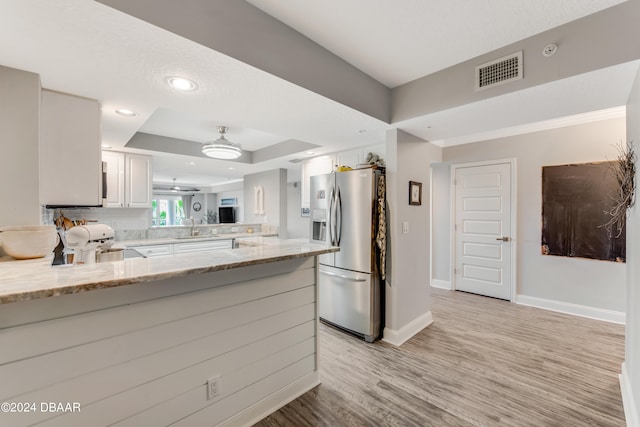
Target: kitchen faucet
point(194, 232)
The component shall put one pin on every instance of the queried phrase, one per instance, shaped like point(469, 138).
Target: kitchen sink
point(193, 237)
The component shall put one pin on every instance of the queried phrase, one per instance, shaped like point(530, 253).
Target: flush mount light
point(182, 84)
point(309, 153)
point(221, 148)
point(125, 112)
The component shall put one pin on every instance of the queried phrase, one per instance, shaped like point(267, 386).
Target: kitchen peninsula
point(205, 338)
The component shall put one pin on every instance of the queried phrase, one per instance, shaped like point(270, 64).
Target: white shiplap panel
point(124, 381)
point(26, 341)
point(214, 414)
point(34, 373)
point(25, 312)
point(233, 378)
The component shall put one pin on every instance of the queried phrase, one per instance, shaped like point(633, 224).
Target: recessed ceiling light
point(181, 83)
point(231, 168)
point(310, 153)
point(190, 163)
point(106, 146)
point(125, 112)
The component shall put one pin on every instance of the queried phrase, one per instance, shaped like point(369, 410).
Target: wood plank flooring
point(483, 362)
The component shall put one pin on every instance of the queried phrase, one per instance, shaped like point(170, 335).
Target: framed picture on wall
point(415, 193)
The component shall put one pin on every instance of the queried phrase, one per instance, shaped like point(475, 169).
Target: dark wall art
point(575, 202)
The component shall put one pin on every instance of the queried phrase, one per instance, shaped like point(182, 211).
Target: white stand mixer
point(86, 240)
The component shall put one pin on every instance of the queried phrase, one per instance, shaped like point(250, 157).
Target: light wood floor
point(483, 362)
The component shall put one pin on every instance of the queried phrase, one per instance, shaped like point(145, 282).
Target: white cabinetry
point(183, 248)
point(357, 156)
point(138, 181)
point(70, 167)
point(209, 245)
point(129, 179)
point(115, 178)
point(154, 250)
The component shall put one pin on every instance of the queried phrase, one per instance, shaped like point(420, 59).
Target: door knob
point(503, 239)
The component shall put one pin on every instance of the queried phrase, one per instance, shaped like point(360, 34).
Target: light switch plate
point(405, 227)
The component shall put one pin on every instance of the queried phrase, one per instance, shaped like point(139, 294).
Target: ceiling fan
point(176, 188)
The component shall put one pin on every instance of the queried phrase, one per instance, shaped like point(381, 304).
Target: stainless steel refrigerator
point(344, 213)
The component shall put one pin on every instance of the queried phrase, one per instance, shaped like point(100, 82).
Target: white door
point(483, 230)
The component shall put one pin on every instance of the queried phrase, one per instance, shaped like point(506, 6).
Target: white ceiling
point(381, 37)
point(88, 49)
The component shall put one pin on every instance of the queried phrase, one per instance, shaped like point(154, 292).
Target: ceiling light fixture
point(182, 84)
point(125, 112)
point(222, 148)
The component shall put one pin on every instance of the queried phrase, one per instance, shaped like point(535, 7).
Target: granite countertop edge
point(24, 283)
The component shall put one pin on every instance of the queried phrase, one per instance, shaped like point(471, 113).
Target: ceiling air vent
point(499, 71)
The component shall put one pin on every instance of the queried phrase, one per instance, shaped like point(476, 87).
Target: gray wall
point(440, 231)
point(407, 289)
point(19, 140)
point(579, 281)
point(274, 183)
point(632, 336)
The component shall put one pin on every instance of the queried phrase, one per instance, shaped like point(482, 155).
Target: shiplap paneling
point(25, 341)
point(139, 359)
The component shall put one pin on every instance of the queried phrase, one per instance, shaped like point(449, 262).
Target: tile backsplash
point(135, 223)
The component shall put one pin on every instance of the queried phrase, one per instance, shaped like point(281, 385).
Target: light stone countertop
point(200, 238)
point(28, 281)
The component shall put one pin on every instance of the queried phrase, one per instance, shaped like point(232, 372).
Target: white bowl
point(29, 241)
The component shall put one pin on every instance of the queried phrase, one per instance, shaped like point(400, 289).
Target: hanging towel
point(381, 237)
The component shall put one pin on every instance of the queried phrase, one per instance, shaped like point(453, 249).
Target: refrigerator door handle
point(330, 219)
point(338, 218)
point(342, 276)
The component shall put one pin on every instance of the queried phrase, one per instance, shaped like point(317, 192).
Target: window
point(167, 210)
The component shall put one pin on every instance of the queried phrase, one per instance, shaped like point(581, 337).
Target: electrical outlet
point(234, 229)
point(405, 227)
point(213, 387)
point(214, 231)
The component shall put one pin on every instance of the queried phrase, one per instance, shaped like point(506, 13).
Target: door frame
point(514, 226)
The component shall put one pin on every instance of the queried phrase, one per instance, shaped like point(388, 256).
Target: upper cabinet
point(138, 181)
point(70, 167)
point(129, 179)
point(115, 178)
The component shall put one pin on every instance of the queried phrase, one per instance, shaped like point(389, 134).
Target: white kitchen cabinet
point(154, 250)
point(129, 179)
point(70, 166)
point(115, 178)
point(357, 156)
point(209, 245)
point(138, 178)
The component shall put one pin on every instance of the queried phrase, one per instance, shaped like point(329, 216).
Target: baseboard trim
point(400, 336)
point(575, 309)
point(441, 284)
point(269, 405)
point(630, 410)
